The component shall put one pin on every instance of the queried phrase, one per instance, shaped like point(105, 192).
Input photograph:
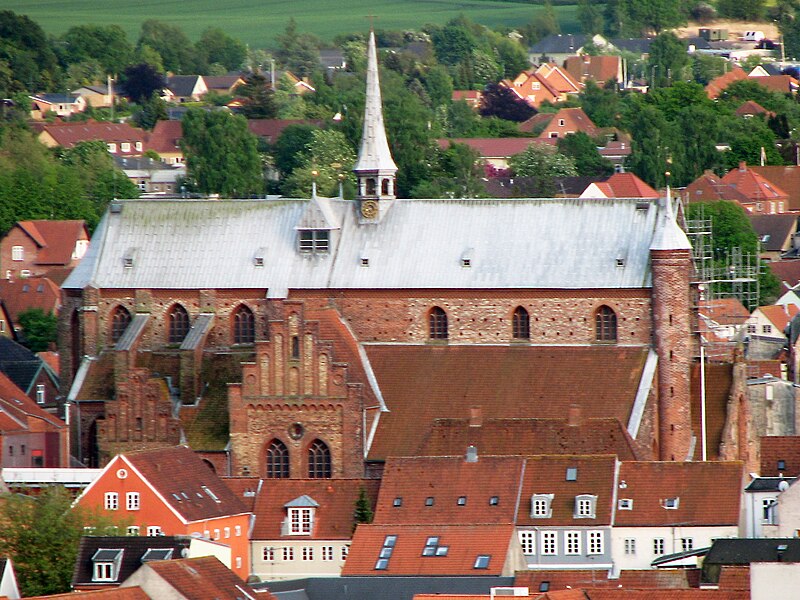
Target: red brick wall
point(17, 237)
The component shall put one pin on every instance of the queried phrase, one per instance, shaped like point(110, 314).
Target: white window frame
point(630, 546)
point(40, 394)
point(541, 506)
point(125, 147)
point(659, 546)
point(308, 553)
point(132, 500)
point(572, 542)
point(595, 542)
point(138, 146)
point(133, 530)
point(216, 534)
point(153, 530)
point(237, 530)
point(226, 532)
point(768, 510)
point(268, 554)
point(687, 544)
point(301, 521)
point(345, 552)
point(112, 147)
point(548, 543)
point(288, 553)
point(327, 553)
point(527, 540)
point(17, 253)
point(111, 501)
point(104, 571)
point(585, 506)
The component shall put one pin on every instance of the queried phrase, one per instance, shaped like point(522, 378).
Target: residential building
point(165, 139)
point(495, 151)
point(761, 505)
point(471, 97)
point(184, 88)
point(566, 121)
point(29, 372)
point(763, 197)
point(722, 324)
point(776, 234)
point(785, 177)
point(151, 176)
point(222, 84)
point(780, 456)
point(665, 508)
point(33, 248)
point(121, 139)
point(171, 491)
point(599, 68)
point(62, 105)
point(97, 95)
point(8, 580)
point(559, 47)
point(769, 323)
point(620, 185)
point(545, 83)
point(19, 295)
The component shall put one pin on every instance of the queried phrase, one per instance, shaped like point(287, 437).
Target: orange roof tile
point(628, 185)
point(173, 471)
point(569, 120)
point(33, 292)
point(548, 475)
point(430, 488)
point(786, 178)
point(579, 578)
point(600, 68)
point(782, 84)
point(753, 185)
point(504, 381)
point(333, 519)
point(51, 358)
point(784, 448)
point(69, 134)
point(725, 311)
point(17, 405)
point(788, 271)
point(203, 578)
point(492, 147)
point(117, 593)
point(165, 137)
point(505, 437)
point(56, 239)
point(734, 577)
point(245, 489)
point(464, 544)
point(751, 107)
point(717, 85)
point(779, 315)
point(650, 484)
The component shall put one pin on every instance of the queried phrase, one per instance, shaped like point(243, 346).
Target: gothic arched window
point(437, 324)
point(277, 460)
point(120, 319)
point(244, 326)
point(319, 460)
point(520, 324)
point(605, 324)
point(178, 324)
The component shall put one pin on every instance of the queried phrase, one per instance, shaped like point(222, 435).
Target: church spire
point(375, 169)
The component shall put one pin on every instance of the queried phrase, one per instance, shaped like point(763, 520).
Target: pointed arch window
point(521, 324)
point(437, 324)
point(120, 319)
point(384, 187)
point(277, 460)
point(178, 324)
point(319, 460)
point(370, 186)
point(244, 326)
point(605, 324)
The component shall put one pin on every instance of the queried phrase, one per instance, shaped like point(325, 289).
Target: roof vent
point(472, 454)
point(115, 208)
point(642, 206)
point(258, 257)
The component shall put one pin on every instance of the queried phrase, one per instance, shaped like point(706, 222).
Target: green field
point(256, 22)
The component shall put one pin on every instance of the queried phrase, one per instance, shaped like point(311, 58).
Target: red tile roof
point(245, 489)
point(18, 407)
point(569, 120)
point(128, 593)
point(203, 578)
point(780, 447)
point(725, 311)
point(492, 147)
point(753, 185)
point(782, 84)
point(709, 188)
point(786, 178)
point(69, 134)
point(626, 185)
point(600, 68)
point(165, 137)
point(504, 381)
point(734, 577)
point(34, 292)
point(271, 129)
point(548, 475)
point(751, 107)
point(178, 470)
point(505, 437)
point(692, 594)
point(717, 85)
point(333, 519)
point(788, 271)
point(55, 239)
point(559, 579)
point(441, 481)
point(708, 493)
point(464, 542)
point(779, 315)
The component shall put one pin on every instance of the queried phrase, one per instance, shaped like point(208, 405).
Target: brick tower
point(671, 264)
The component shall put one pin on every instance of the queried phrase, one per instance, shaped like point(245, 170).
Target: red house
point(172, 491)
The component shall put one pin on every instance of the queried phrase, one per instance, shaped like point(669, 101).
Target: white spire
point(374, 154)
point(668, 234)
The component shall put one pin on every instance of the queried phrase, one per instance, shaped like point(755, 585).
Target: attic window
point(466, 262)
point(625, 504)
point(462, 501)
point(258, 261)
point(314, 241)
point(157, 554)
point(671, 503)
point(127, 261)
point(494, 501)
point(386, 553)
point(642, 206)
point(106, 564)
point(620, 262)
point(482, 561)
point(765, 238)
point(364, 261)
point(429, 501)
point(432, 547)
point(585, 505)
point(397, 502)
point(781, 465)
point(211, 494)
point(572, 474)
point(540, 506)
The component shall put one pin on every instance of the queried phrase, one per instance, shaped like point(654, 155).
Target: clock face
point(369, 209)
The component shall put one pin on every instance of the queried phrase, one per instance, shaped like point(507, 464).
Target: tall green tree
point(140, 82)
point(150, 111)
point(583, 150)
point(456, 173)
point(654, 139)
point(260, 98)
point(217, 47)
point(108, 45)
point(654, 15)
point(26, 52)
point(298, 52)
point(741, 10)
point(41, 535)
point(542, 164)
point(221, 154)
point(328, 160)
point(668, 60)
point(39, 329)
point(590, 16)
point(176, 50)
point(362, 512)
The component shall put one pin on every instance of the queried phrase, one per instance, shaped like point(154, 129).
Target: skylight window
point(482, 561)
point(671, 503)
point(429, 501)
point(432, 547)
point(397, 502)
point(572, 474)
point(462, 501)
point(494, 501)
point(386, 553)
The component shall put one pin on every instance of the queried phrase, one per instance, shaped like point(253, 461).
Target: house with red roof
point(783, 84)
point(165, 139)
point(20, 295)
point(710, 188)
point(668, 507)
point(750, 108)
point(303, 527)
point(770, 322)
point(121, 139)
point(33, 248)
point(471, 97)
point(780, 456)
point(172, 491)
point(546, 83)
point(495, 151)
point(620, 185)
point(29, 435)
point(566, 121)
point(600, 68)
point(762, 196)
point(721, 323)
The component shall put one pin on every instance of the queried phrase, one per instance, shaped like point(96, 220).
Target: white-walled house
point(761, 505)
point(668, 507)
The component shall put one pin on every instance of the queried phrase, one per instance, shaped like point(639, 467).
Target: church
point(317, 337)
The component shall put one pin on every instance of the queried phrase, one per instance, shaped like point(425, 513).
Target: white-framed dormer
point(300, 514)
point(585, 506)
point(316, 227)
point(105, 564)
point(542, 506)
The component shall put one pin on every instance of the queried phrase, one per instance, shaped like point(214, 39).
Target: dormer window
point(585, 506)
point(541, 506)
point(671, 503)
point(105, 564)
point(314, 241)
point(625, 504)
point(301, 521)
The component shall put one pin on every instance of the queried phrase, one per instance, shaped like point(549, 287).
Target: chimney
point(574, 416)
point(472, 454)
point(743, 166)
point(475, 416)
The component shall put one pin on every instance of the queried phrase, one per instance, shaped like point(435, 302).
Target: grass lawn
point(257, 22)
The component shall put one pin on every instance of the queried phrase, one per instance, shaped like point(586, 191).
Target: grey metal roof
point(303, 501)
point(516, 243)
point(560, 43)
point(200, 327)
point(132, 331)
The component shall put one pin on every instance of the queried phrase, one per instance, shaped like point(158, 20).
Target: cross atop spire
point(375, 168)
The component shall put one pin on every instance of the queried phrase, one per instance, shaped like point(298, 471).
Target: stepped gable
point(504, 381)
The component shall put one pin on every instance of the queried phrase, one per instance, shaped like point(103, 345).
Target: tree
point(221, 154)
point(706, 67)
point(500, 101)
point(439, 86)
point(217, 47)
point(654, 15)
point(260, 97)
point(546, 22)
point(150, 111)
point(41, 535)
point(26, 52)
point(583, 151)
point(601, 105)
point(457, 174)
point(292, 147)
point(512, 56)
point(542, 164)
point(668, 59)
point(453, 44)
point(590, 16)
point(654, 138)
point(106, 44)
point(298, 52)
point(171, 43)
point(140, 82)
point(363, 509)
point(328, 160)
point(741, 10)
point(39, 329)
